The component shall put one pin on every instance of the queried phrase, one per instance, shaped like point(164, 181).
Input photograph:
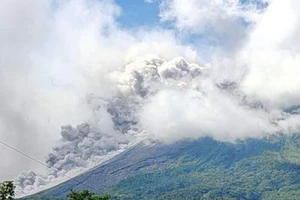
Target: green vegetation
point(229, 172)
point(266, 169)
point(74, 195)
point(85, 195)
point(7, 190)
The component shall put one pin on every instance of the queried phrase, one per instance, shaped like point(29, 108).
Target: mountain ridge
point(204, 168)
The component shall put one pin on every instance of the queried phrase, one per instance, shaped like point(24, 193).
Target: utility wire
point(41, 163)
point(20, 152)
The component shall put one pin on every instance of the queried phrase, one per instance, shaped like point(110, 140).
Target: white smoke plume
point(164, 100)
point(54, 53)
point(69, 62)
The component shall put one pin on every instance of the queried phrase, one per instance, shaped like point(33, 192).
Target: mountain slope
point(207, 169)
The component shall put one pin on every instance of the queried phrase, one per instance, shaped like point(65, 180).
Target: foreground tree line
point(7, 192)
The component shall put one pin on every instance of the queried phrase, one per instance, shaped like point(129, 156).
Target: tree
point(7, 190)
point(85, 195)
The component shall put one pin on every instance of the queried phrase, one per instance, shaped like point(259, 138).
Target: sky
point(138, 13)
point(76, 74)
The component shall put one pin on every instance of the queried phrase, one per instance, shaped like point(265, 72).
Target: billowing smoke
point(53, 56)
point(70, 62)
point(163, 100)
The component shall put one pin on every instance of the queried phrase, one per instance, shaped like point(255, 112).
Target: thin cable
point(20, 152)
point(41, 163)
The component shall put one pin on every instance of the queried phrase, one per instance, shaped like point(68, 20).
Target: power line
point(41, 163)
point(20, 152)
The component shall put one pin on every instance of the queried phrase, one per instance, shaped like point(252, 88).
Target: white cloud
point(52, 55)
point(199, 16)
point(266, 53)
point(39, 80)
point(220, 21)
point(272, 56)
point(173, 115)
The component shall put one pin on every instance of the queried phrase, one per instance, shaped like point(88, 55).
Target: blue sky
point(137, 13)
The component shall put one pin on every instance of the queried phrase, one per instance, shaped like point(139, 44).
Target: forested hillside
point(203, 169)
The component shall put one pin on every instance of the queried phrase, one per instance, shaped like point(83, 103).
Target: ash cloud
point(54, 53)
point(80, 148)
point(161, 100)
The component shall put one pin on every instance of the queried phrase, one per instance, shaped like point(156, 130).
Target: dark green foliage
point(253, 171)
point(206, 169)
point(7, 190)
point(74, 195)
point(85, 195)
point(41, 198)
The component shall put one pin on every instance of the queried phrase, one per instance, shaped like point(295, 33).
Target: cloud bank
point(221, 22)
point(54, 53)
